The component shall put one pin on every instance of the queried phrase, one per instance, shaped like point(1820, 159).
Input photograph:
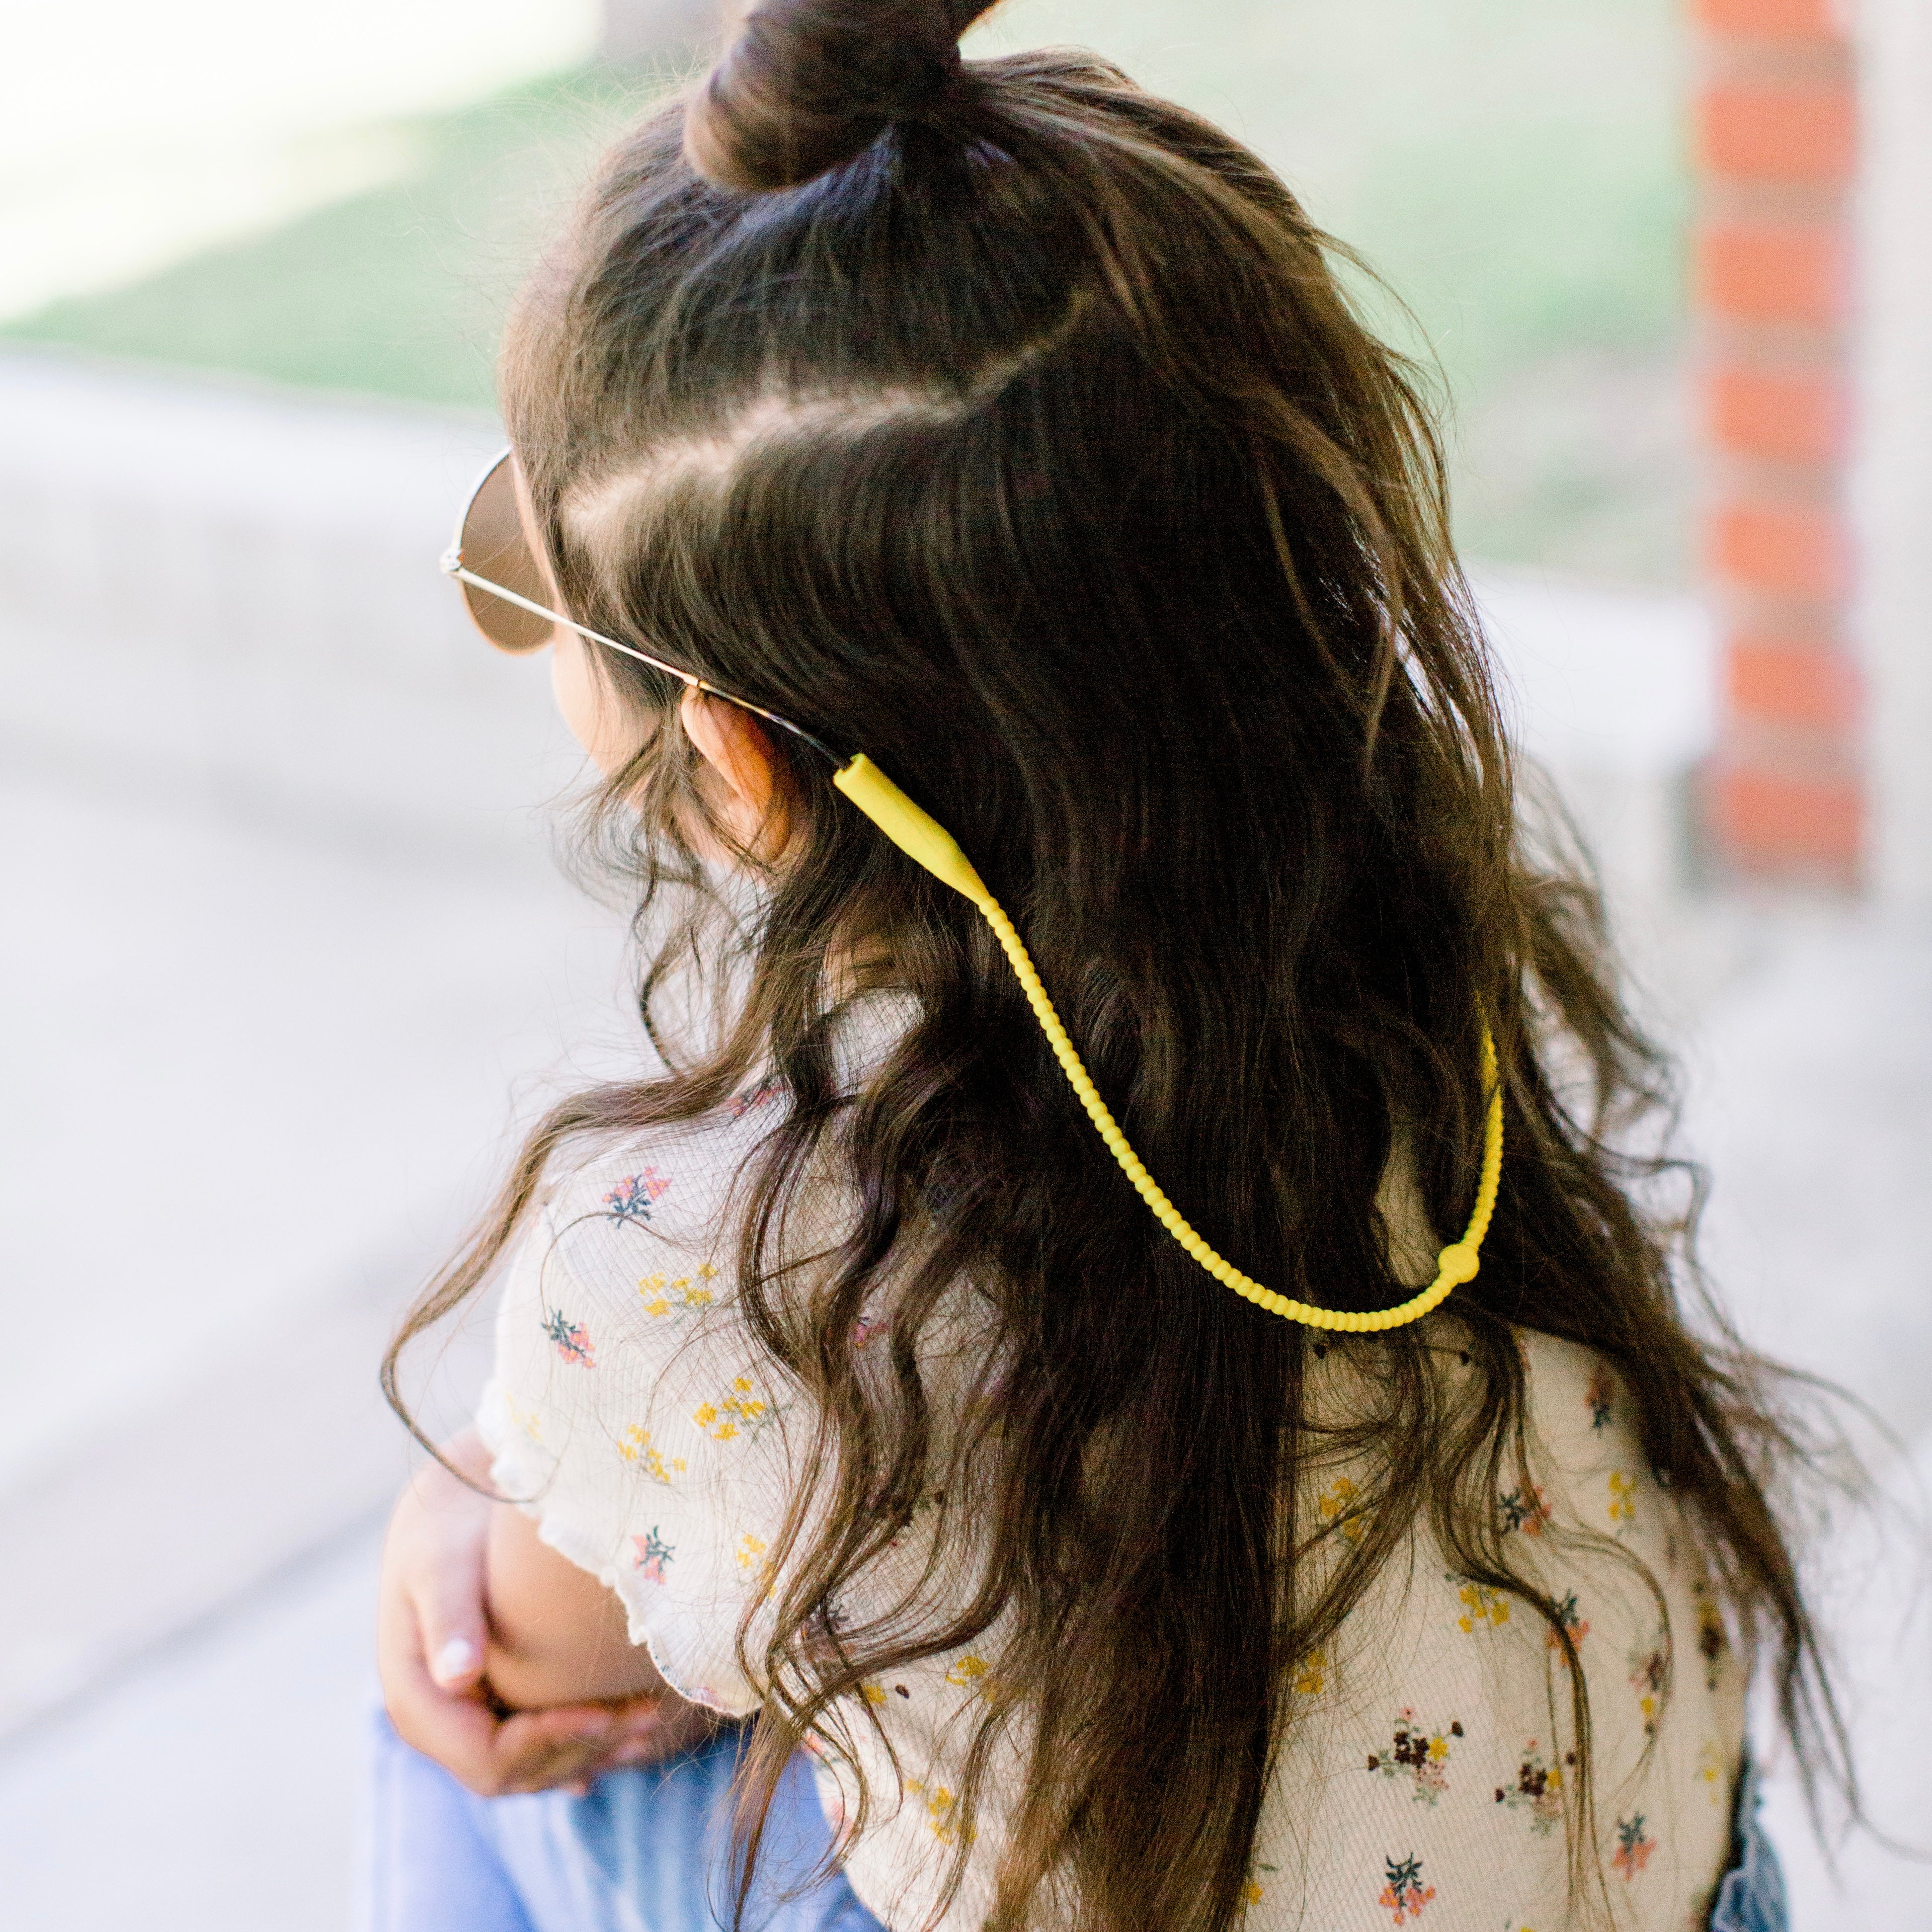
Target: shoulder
point(668, 1199)
point(675, 1191)
point(669, 1180)
point(630, 1259)
point(1585, 1430)
point(1575, 1394)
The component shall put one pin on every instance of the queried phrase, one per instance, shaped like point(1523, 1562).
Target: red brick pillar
point(1776, 141)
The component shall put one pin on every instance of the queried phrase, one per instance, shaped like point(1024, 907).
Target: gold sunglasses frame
point(453, 566)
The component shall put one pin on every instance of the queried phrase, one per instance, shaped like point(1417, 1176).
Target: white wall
point(209, 589)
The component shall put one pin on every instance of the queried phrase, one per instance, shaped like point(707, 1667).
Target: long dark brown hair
point(1011, 425)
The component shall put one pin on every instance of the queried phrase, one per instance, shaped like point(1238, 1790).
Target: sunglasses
point(504, 586)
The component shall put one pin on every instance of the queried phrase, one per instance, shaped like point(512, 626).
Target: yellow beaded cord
point(920, 835)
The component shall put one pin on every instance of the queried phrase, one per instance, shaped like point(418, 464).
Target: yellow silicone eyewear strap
point(921, 836)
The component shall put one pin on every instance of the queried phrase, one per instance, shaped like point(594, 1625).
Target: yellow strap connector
point(921, 837)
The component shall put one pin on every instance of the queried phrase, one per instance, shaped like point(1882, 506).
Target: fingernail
point(456, 1658)
point(594, 1726)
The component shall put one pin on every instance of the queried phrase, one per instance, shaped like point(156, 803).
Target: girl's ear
point(733, 744)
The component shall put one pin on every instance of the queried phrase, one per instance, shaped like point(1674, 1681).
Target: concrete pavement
point(214, 1789)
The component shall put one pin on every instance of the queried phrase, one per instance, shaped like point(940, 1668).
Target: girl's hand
point(433, 1628)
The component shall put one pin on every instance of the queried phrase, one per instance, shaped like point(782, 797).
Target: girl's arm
point(557, 1635)
point(435, 1632)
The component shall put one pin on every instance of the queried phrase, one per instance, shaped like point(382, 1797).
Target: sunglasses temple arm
point(452, 566)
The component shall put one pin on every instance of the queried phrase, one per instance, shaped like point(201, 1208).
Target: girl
point(1117, 1378)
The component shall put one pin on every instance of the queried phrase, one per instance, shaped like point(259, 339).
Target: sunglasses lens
point(492, 545)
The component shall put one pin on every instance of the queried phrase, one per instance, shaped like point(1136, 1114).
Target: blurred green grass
point(1512, 169)
point(398, 293)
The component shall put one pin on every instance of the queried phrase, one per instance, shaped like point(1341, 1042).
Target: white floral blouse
point(1428, 1777)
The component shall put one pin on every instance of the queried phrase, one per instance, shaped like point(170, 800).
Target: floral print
point(1403, 1893)
point(1420, 1755)
point(739, 1104)
point(1634, 1846)
point(1337, 1506)
point(740, 1411)
point(1253, 1891)
point(1570, 1619)
point(974, 1675)
point(1480, 1605)
point(922, 1507)
point(1623, 1499)
point(1537, 1788)
point(662, 1296)
point(1311, 1675)
point(1648, 1670)
point(571, 1340)
point(632, 1198)
point(939, 1808)
point(653, 1554)
point(636, 1448)
point(1713, 1642)
point(1524, 1509)
point(1600, 1397)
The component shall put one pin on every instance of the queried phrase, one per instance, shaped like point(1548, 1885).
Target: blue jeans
point(1751, 1897)
point(646, 1850)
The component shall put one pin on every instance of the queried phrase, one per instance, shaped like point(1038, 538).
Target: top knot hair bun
point(808, 84)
